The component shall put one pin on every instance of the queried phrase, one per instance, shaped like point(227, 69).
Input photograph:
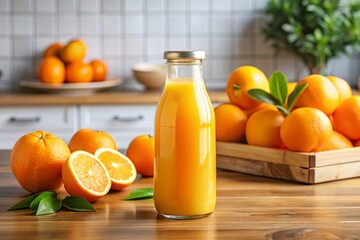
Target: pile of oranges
point(88, 166)
point(65, 63)
point(326, 115)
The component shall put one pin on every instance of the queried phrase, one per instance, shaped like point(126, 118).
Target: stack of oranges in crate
point(318, 113)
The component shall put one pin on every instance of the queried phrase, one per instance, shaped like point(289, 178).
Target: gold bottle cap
point(184, 56)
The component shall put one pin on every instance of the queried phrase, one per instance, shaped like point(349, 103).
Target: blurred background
point(125, 32)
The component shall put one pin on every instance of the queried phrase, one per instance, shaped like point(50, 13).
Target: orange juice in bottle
point(185, 154)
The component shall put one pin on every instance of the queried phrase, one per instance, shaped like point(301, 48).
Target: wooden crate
point(308, 168)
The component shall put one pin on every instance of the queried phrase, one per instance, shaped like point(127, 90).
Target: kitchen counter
point(248, 207)
point(26, 98)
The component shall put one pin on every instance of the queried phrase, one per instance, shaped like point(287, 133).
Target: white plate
point(70, 88)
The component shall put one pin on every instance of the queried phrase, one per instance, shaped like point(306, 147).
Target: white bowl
point(151, 75)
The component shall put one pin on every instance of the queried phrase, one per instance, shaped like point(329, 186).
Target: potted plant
point(314, 30)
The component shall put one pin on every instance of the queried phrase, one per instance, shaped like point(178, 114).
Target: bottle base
point(181, 217)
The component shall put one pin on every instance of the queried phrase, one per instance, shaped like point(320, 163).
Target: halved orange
point(122, 171)
point(85, 175)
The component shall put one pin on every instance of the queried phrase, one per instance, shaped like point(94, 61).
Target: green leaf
point(278, 86)
point(282, 109)
point(24, 203)
point(35, 203)
point(295, 95)
point(48, 205)
point(141, 193)
point(78, 204)
point(288, 28)
point(263, 96)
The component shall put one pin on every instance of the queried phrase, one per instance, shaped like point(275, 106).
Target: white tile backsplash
point(6, 72)
point(134, 24)
point(155, 46)
point(67, 5)
point(199, 24)
point(245, 6)
point(22, 5)
point(94, 49)
point(222, 46)
point(4, 5)
point(199, 6)
point(111, 5)
point(134, 47)
point(133, 5)
point(4, 25)
point(89, 5)
point(23, 47)
point(176, 5)
point(223, 5)
point(47, 6)
point(45, 25)
point(67, 25)
point(89, 25)
point(111, 25)
point(155, 5)
point(5, 48)
point(155, 25)
point(123, 32)
point(112, 47)
point(22, 25)
point(177, 25)
point(222, 24)
point(177, 43)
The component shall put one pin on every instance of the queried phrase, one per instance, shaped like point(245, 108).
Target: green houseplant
point(314, 30)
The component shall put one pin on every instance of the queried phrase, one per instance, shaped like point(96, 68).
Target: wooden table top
point(248, 207)
point(26, 98)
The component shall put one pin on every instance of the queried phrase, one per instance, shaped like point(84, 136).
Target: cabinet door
point(123, 122)
point(17, 121)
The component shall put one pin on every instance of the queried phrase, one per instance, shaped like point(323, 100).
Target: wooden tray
point(308, 168)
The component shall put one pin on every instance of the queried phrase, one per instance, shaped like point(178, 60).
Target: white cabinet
point(17, 121)
point(123, 122)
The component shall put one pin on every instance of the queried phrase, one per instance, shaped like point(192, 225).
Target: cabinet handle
point(128, 118)
point(24, 119)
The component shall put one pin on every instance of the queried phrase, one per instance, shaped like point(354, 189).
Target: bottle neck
point(177, 72)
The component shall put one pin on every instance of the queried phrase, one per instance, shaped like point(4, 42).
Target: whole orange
point(73, 51)
point(263, 128)
point(37, 159)
point(90, 140)
point(53, 50)
point(240, 81)
point(141, 152)
point(230, 122)
point(337, 141)
point(99, 69)
point(306, 129)
point(291, 86)
point(51, 70)
point(79, 72)
point(320, 93)
point(343, 88)
point(262, 106)
point(346, 118)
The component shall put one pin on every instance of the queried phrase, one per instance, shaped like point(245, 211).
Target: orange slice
point(122, 171)
point(84, 175)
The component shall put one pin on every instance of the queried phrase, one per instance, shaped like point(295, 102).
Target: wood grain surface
point(24, 98)
point(248, 207)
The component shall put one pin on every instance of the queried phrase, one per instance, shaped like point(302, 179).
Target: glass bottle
point(185, 145)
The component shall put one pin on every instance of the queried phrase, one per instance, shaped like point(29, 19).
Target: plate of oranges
point(63, 69)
